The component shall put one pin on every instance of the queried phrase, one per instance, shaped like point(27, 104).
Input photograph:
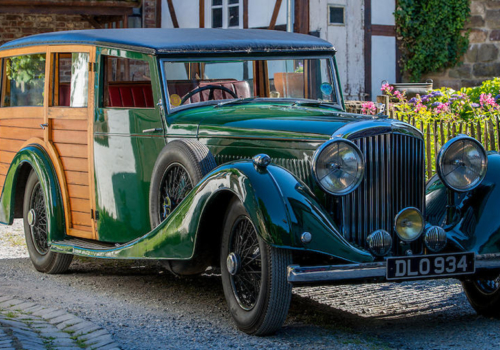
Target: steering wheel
point(210, 95)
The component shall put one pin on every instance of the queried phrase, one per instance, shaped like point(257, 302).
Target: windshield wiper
point(235, 101)
point(313, 103)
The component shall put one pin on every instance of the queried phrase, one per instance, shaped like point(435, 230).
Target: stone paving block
point(22, 332)
point(93, 335)
point(53, 314)
point(16, 324)
point(5, 298)
point(33, 346)
point(71, 322)
point(69, 348)
point(98, 340)
point(5, 342)
point(80, 326)
point(23, 306)
point(60, 319)
point(57, 335)
point(86, 330)
point(7, 348)
point(34, 308)
point(10, 303)
point(63, 343)
point(103, 343)
point(109, 347)
point(44, 311)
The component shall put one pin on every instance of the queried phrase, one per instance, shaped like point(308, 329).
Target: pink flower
point(442, 108)
point(398, 95)
point(386, 88)
point(369, 108)
point(486, 99)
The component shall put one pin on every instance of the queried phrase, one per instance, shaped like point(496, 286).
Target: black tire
point(37, 233)
point(264, 313)
point(484, 296)
point(188, 155)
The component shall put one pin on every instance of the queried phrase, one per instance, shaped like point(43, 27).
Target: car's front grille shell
point(394, 180)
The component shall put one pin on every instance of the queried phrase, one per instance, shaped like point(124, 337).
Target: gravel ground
point(145, 307)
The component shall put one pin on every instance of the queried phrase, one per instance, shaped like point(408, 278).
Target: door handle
point(145, 131)
point(43, 126)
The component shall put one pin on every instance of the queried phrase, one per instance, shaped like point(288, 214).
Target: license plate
point(423, 266)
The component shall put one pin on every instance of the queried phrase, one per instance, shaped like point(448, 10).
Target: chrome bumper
point(366, 273)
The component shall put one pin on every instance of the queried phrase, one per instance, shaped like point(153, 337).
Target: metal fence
point(437, 133)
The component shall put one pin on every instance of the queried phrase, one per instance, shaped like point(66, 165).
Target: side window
point(70, 79)
point(127, 83)
point(23, 81)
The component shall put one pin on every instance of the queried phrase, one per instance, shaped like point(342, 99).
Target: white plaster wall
point(261, 11)
point(348, 40)
point(382, 12)
point(187, 12)
point(383, 62)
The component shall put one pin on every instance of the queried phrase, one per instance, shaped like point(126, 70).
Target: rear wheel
point(253, 275)
point(36, 230)
point(484, 295)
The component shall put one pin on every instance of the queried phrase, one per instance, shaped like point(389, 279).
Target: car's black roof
point(182, 41)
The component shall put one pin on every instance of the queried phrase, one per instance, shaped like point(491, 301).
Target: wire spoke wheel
point(37, 218)
point(247, 275)
point(174, 187)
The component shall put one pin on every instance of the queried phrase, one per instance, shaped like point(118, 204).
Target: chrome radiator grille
point(394, 179)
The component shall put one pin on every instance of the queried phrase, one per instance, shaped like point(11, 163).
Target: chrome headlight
point(338, 166)
point(462, 163)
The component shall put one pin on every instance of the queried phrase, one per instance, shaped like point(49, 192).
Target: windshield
point(192, 82)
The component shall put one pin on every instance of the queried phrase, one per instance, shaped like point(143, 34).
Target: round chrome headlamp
point(338, 166)
point(409, 224)
point(462, 163)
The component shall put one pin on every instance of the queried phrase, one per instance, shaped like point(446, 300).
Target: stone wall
point(17, 25)
point(482, 60)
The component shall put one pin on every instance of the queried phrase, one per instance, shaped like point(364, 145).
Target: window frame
point(101, 89)
point(225, 12)
point(328, 15)
point(169, 110)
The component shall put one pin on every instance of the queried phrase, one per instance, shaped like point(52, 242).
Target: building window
point(226, 13)
point(336, 15)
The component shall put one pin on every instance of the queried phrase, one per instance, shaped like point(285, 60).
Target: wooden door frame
point(73, 113)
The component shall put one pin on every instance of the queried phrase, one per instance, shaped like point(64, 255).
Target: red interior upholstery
point(183, 87)
point(64, 94)
point(131, 95)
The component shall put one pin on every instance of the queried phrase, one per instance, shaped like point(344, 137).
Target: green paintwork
point(278, 203)
point(473, 223)
point(36, 158)
point(124, 157)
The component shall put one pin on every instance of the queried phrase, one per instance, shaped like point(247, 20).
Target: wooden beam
point(68, 10)
point(301, 24)
point(171, 9)
point(276, 12)
point(46, 3)
point(158, 13)
point(245, 14)
point(202, 13)
point(368, 49)
point(383, 30)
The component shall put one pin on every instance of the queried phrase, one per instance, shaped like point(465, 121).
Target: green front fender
point(280, 206)
point(36, 158)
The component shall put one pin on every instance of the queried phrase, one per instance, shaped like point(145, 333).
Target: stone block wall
point(17, 25)
point(482, 60)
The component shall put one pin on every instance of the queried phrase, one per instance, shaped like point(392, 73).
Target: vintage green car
point(232, 149)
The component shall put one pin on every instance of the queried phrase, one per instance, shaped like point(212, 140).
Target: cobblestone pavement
point(144, 307)
point(26, 325)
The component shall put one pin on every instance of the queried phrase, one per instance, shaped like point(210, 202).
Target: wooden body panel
point(66, 140)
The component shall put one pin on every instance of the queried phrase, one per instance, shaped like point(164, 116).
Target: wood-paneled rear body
point(14, 132)
point(71, 142)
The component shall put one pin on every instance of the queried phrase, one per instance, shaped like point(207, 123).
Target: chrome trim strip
point(374, 127)
point(345, 273)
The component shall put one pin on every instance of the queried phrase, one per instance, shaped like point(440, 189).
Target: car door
point(128, 136)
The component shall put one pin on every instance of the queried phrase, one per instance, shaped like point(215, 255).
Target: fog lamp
point(379, 242)
point(409, 224)
point(435, 238)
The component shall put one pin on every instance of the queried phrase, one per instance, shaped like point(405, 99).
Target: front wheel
point(36, 230)
point(484, 295)
point(253, 275)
